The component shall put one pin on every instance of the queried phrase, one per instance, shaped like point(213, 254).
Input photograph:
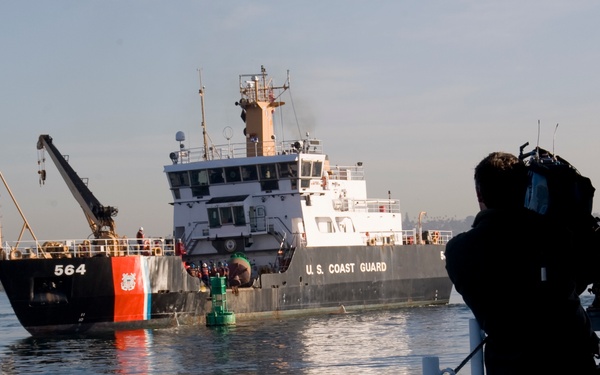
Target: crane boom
point(99, 216)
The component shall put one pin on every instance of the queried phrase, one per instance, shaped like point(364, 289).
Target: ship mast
point(259, 98)
point(204, 133)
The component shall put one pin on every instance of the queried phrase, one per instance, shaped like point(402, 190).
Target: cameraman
point(514, 271)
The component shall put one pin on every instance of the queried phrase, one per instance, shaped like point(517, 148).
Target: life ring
point(372, 242)
point(16, 254)
point(435, 237)
point(157, 251)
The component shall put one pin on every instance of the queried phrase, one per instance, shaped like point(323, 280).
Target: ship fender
point(239, 271)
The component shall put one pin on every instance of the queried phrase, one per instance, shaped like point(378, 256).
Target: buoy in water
point(219, 314)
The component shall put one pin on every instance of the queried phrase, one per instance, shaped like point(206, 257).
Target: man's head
point(501, 181)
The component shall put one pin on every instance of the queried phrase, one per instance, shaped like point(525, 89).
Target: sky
point(418, 91)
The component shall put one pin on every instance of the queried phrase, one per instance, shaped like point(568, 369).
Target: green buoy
point(219, 316)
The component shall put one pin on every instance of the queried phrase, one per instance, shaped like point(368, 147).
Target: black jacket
point(497, 267)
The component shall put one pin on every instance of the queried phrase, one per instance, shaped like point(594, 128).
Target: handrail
point(83, 248)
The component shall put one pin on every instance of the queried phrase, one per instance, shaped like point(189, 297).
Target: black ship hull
point(82, 295)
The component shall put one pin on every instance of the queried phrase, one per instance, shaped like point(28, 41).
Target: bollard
point(431, 366)
point(475, 338)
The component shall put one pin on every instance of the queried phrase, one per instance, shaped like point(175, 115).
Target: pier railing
point(431, 364)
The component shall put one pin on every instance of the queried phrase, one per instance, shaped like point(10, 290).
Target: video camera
point(557, 189)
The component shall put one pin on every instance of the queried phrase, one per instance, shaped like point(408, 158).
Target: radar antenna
point(537, 148)
point(554, 138)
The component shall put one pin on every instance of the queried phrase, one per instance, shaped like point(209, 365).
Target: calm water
point(383, 342)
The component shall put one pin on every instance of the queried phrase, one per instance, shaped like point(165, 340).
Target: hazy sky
point(419, 91)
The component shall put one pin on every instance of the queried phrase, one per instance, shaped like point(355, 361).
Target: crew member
point(179, 248)
point(220, 269)
point(140, 238)
point(205, 274)
point(226, 273)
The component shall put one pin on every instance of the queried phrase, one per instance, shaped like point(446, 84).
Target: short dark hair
point(501, 180)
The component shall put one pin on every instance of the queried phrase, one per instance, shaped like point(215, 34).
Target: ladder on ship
point(284, 254)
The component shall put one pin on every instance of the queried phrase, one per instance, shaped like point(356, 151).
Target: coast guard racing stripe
point(131, 285)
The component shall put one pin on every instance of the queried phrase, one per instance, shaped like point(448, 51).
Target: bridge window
point(317, 168)
point(176, 193)
point(229, 215)
point(178, 179)
point(249, 173)
point(215, 176)
point(199, 177)
point(232, 174)
point(199, 182)
point(238, 215)
point(311, 168)
point(267, 172)
point(214, 220)
point(306, 167)
point(226, 215)
point(288, 170)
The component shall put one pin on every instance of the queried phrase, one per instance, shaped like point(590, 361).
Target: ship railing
point(434, 237)
point(264, 225)
point(200, 230)
point(382, 238)
point(368, 205)
point(76, 248)
point(347, 173)
point(279, 230)
point(445, 236)
point(383, 205)
point(243, 149)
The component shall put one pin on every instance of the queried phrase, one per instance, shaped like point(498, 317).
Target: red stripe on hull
point(128, 282)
